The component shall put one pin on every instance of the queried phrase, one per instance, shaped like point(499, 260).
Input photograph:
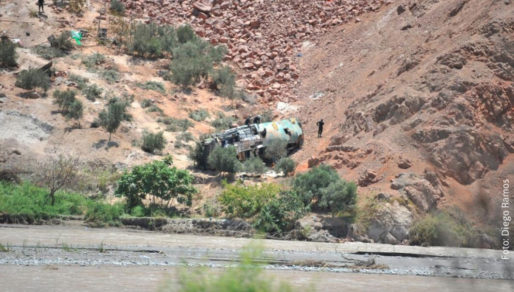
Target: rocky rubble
point(263, 36)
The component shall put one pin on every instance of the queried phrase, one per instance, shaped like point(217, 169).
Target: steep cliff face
point(421, 87)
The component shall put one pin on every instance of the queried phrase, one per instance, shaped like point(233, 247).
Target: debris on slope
point(263, 37)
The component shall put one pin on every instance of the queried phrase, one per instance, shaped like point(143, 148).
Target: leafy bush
point(117, 7)
point(48, 53)
point(176, 125)
point(152, 142)
point(154, 109)
point(275, 150)
point(152, 85)
point(323, 186)
point(146, 103)
point(157, 180)
point(101, 214)
point(224, 159)
point(190, 63)
point(185, 34)
point(75, 111)
point(223, 81)
point(94, 60)
point(7, 54)
point(280, 214)
point(443, 228)
point(92, 92)
point(64, 99)
point(246, 201)
point(110, 75)
point(79, 80)
point(222, 122)
point(254, 165)
point(32, 78)
point(151, 40)
point(286, 165)
point(211, 208)
point(199, 115)
point(62, 42)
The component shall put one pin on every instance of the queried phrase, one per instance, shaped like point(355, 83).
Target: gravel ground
point(53, 249)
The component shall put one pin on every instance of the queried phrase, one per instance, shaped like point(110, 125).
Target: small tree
point(75, 111)
point(185, 33)
point(190, 63)
point(199, 156)
point(152, 142)
point(7, 53)
point(280, 214)
point(32, 78)
point(286, 165)
point(111, 118)
point(158, 180)
point(246, 201)
point(224, 159)
point(64, 99)
point(57, 173)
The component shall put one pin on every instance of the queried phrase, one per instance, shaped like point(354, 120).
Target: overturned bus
point(253, 138)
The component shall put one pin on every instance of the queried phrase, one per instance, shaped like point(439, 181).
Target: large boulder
point(423, 191)
point(392, 223)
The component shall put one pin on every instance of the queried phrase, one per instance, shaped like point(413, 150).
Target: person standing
point(320, 124)
point(40, 4)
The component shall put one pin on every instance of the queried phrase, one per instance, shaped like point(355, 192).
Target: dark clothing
point(320, 127)
point(40, 4)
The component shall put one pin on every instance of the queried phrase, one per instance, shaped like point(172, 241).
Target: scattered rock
point(404, 163)
point(368, 177)
point(418, 189)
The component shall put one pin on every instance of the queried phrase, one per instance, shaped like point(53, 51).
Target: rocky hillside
point(419, 102)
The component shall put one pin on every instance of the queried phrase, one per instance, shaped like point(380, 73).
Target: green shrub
point(92, 92)
point(152, 85)
point(48, 53)
point(211, 208)
point(246, 201)
point(285, 165)
point(223, 81)
point(62, 42)
point(75, 111)
point(176, 125)
point(199, 156)
point(152, 142)
point(117, 7)
point(157, 180)
point(100, 214)
point(154, 109)
point(323, 186)
point(199, 115)
point(94, 60)
point(32, 78)
point(254, 165)
point(146, 103)
point(185, 34)
point(275, 150)
point(64, 99)
point(280, 214)
point(151, 40)
point(183, 137)
point(190, 63)
point(110, 75)
point(444, 228)
point(222, 122)
point(7, 54)
point(80, 81)
point(224, 159)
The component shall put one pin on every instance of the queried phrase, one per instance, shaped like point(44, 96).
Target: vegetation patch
point(224, 159)
point(246, 201)
point(222, 122)
point(285, 165)
point(199, 115)
point(153, 142)
point(152, 85)
point(92, 92)
point(33, 78)
point(7, 54)
point(176, 125)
